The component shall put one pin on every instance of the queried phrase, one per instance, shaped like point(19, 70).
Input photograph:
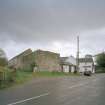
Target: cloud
point(92, 41)
point(52, 25)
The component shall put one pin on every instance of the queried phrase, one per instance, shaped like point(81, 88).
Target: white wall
point(66, 68)
point(71, 60)
point(72, 69)
point(82, 67)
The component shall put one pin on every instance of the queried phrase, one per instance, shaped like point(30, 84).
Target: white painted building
point(86, 64)
point(68, 64)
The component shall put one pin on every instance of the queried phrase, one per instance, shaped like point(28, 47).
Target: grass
point(21, 77)
point(52, 74)
point(100, 69)
point(5, 77)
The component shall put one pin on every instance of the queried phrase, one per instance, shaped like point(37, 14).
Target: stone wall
point(17, 61)
point(43, 60)
point(28, 62)
point(47, 61)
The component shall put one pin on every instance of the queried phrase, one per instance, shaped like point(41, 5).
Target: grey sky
point(52, 25)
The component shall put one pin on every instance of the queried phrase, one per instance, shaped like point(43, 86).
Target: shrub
point(3, 58)
point(6, 77)
point(100, 69)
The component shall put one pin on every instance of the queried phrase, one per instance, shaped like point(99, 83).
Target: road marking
point(82, 84)
point(46, 94)
point(77, 85)
point(28, 99)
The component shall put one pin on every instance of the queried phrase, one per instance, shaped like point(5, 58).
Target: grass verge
point(21, 77)
point(53, 74)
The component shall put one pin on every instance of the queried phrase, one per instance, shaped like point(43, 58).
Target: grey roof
point(23, 53)
point(85, 60)
point(43, 51)
point(63, 60)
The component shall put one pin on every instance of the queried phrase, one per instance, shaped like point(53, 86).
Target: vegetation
point(100, 60)
point(10, 77)
point(6, 77)
point(19, 77)
point(5, 73)
point(22, 76)
point(3, 58)
point(3, 62)
point(15, 77)
point(53, 74)
point(100, 69)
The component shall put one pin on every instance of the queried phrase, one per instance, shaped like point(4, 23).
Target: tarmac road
point(73, 90)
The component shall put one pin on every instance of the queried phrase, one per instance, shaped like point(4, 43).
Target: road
point(73, 90)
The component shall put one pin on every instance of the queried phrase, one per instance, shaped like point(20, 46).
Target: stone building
point(28, 62)
point(18, 61)
point(41, 60)
point(47, 61)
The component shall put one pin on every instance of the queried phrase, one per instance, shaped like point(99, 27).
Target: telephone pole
point(77, 58)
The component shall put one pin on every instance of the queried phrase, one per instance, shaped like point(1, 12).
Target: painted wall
point(66, 68)
point(72, 69)
point(86, 66)
point(71, 60)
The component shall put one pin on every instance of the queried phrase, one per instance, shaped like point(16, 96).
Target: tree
point(3, 58)
point(100, 60)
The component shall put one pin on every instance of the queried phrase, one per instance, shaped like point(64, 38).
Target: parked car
point(87, 73)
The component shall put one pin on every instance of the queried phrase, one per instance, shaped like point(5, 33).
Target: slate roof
point(47, 52)
point(85, 60)
point(64, 60)
point(26, 52)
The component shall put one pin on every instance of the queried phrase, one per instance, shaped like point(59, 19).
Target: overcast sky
point(52, 25)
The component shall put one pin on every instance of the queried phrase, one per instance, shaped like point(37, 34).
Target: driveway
point(73, 90)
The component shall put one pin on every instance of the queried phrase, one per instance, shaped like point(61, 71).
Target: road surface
point(74, 90)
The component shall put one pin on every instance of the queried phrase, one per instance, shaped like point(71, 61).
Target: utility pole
point(77, 59)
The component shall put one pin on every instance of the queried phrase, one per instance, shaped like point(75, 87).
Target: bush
point(3, 58)
point(3, 62)
point(100, 69)
point(100, 59)
point(6, 76)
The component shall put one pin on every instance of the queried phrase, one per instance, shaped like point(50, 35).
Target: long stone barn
point(38, 61)
point(18, 61)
